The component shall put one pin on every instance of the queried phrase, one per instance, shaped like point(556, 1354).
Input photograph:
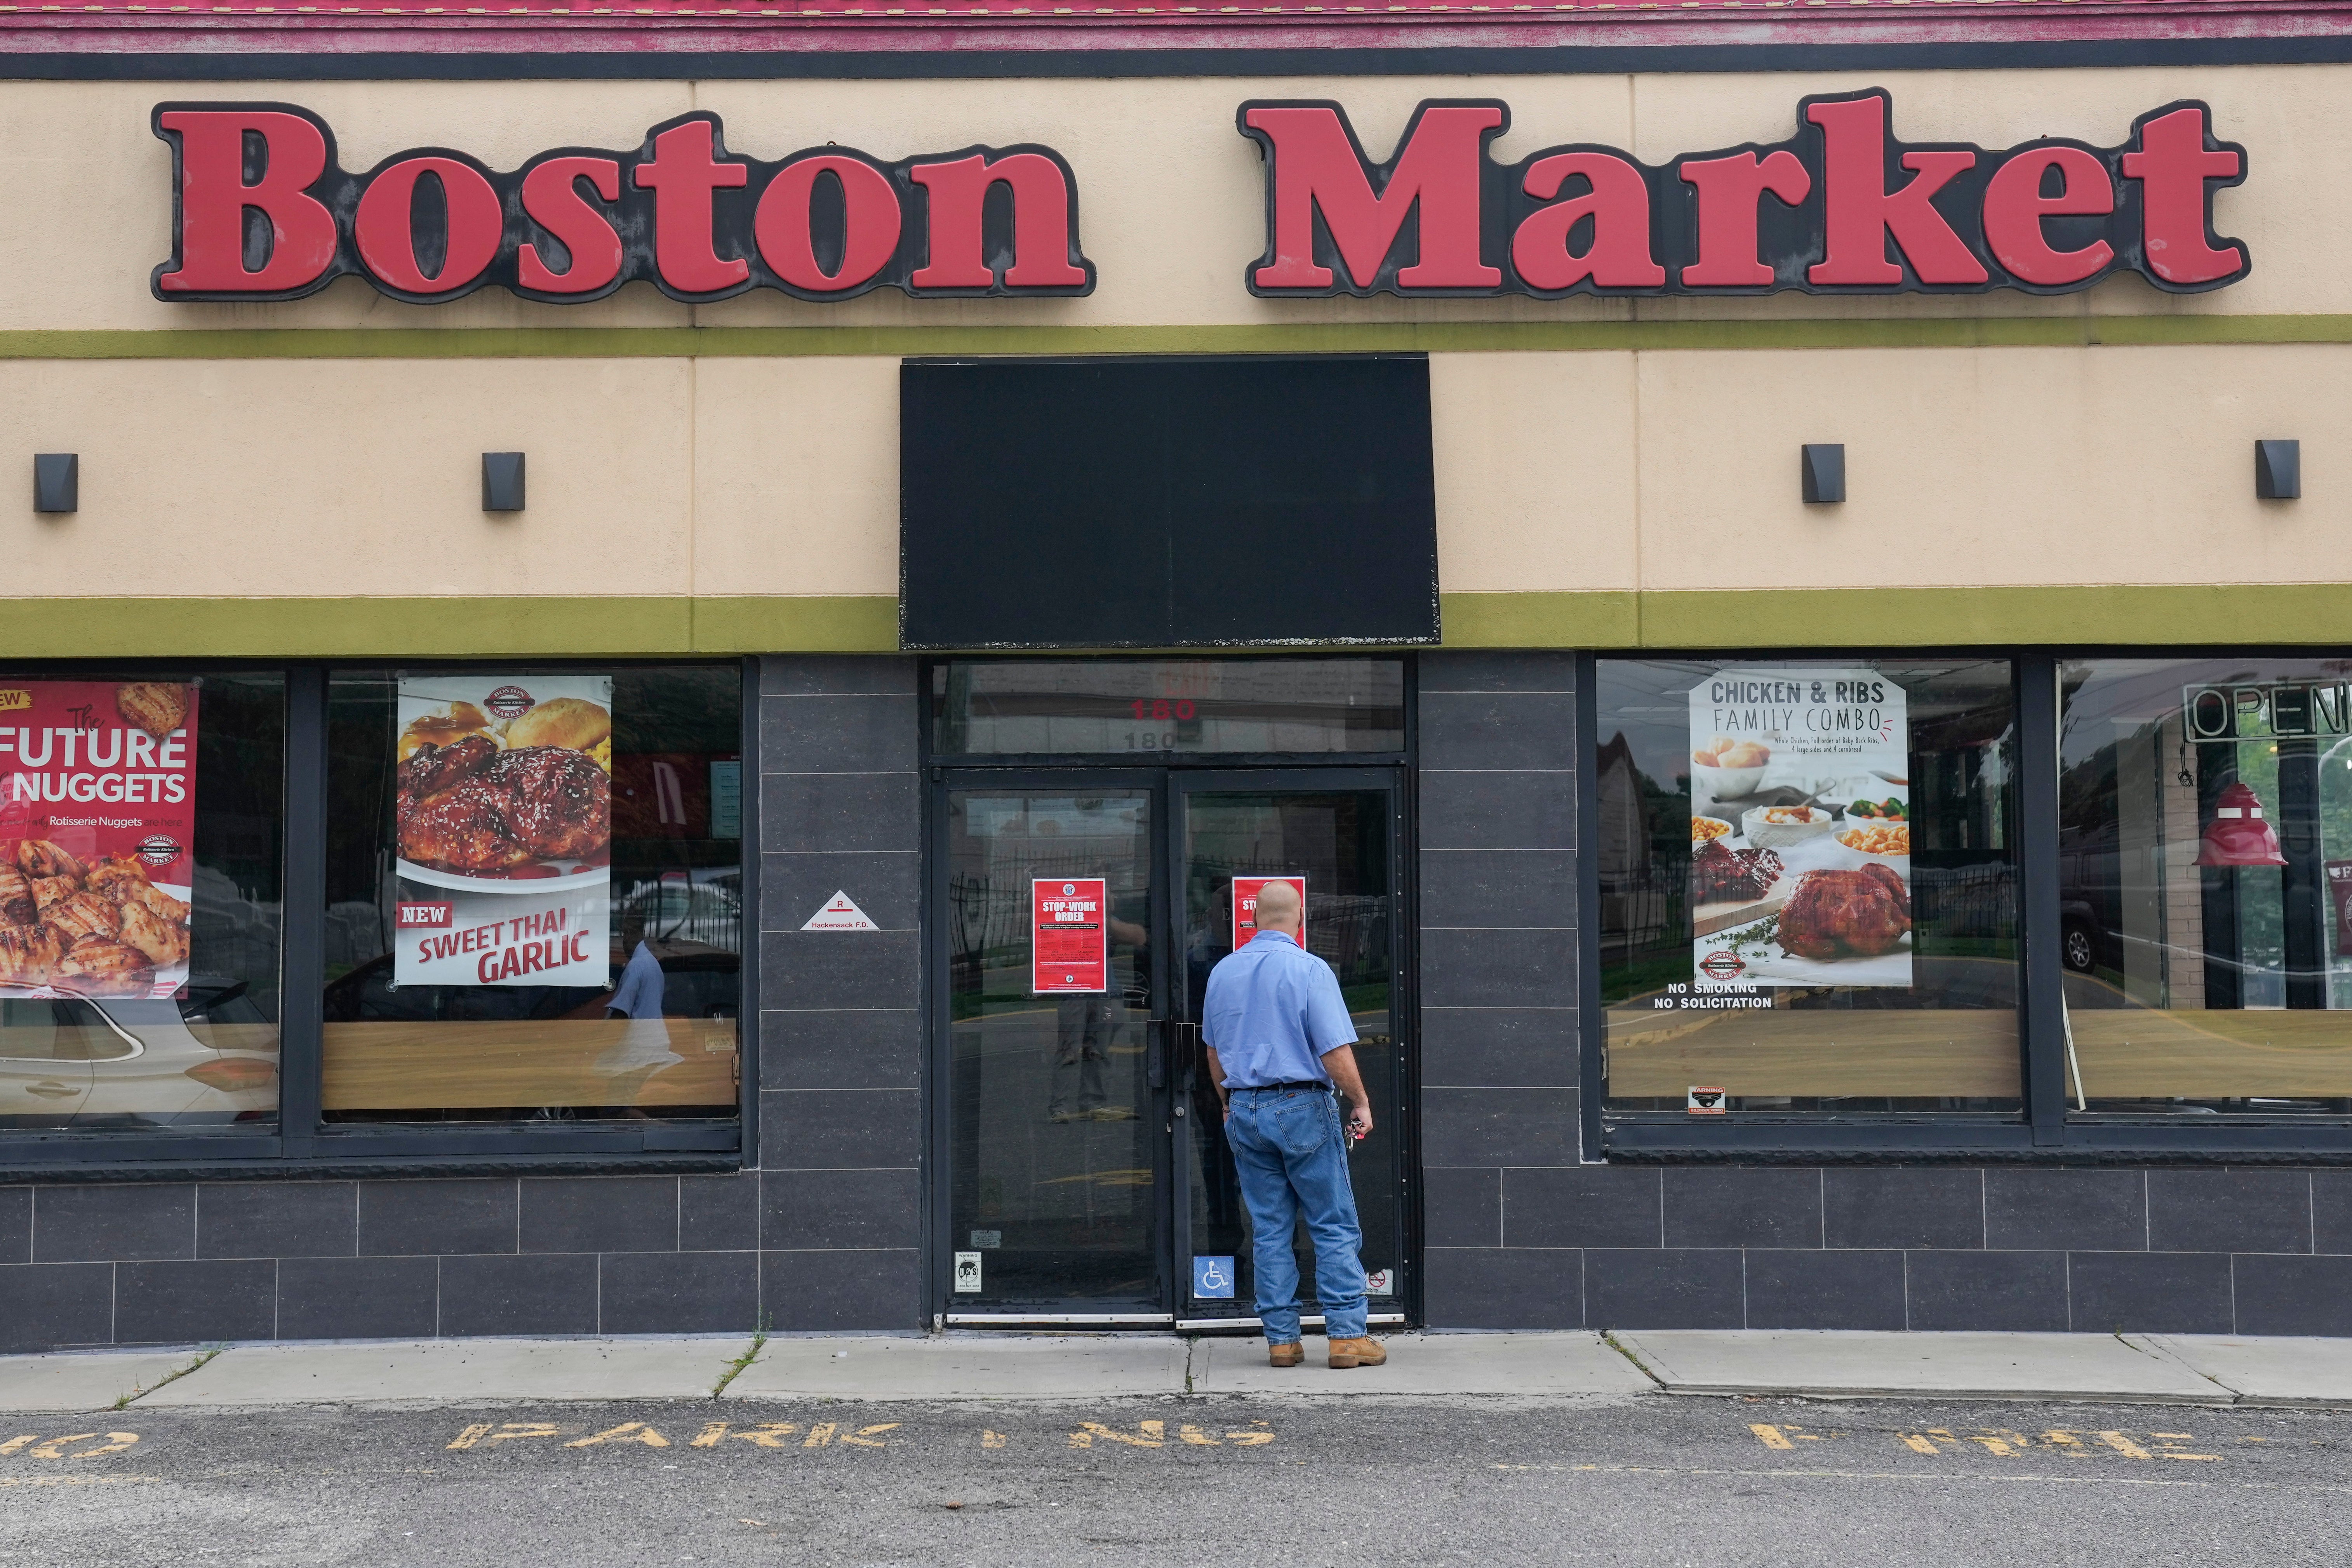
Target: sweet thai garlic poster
point(1801, 829)
point(504, 806)
point(98, 817)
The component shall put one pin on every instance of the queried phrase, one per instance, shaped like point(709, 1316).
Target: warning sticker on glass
point(1246, 892)
point(1069, 930)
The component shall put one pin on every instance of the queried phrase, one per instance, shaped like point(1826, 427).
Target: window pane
point(1808, 885)
point(2205, 861)
point(1184, 705)
point(140, 889)
point(534, 884)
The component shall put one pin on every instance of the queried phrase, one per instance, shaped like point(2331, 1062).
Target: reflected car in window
point(210, 1056)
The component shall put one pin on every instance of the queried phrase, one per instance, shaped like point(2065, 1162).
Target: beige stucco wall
point(1661, 470)
point(1603, 470)
point(1170, 197)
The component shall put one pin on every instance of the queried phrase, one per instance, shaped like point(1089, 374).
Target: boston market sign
point(263, 211)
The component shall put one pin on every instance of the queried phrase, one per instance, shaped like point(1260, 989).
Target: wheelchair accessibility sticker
point(1213, 1279)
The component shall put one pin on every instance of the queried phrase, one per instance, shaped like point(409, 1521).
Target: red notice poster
point(1245, 905)
point(1069, 946)
point(98, 817)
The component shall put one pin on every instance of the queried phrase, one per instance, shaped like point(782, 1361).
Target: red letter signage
point(680, 213)
point(214, 199)
point(2176, 166)
point(1313, 165)
point(1862, 214)
point(1044, 219)
point(1852, 210)
point(683, 175)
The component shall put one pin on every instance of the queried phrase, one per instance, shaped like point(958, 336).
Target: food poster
point(1245, 891)
point(1801, 829)
point(1070, 935)
point(98, 814)
point(503, 807)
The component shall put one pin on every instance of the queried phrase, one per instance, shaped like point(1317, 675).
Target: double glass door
point(1088, 1176)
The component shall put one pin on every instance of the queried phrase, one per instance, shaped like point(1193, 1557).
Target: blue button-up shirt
point(1272, 1010)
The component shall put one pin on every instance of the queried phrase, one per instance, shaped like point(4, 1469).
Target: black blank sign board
point(1166, 503)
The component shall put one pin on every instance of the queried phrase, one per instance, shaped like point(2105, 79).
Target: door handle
point(52, 1091)
point(1155, 1053)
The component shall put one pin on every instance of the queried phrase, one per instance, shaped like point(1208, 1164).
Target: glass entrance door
point(1055, 1080)
point(1076, 914)
point(1339, 833)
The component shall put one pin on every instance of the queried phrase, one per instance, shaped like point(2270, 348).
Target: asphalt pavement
point(1597, 1479)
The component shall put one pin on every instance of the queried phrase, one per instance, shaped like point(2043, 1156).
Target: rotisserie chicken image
point(1845, 914)
point(96, 929)
point(471, 807)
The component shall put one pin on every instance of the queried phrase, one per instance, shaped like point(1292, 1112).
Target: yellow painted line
point(1953, 1476)
point(626, 1432)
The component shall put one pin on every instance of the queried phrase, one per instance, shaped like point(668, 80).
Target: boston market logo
point(264, 211)
point(1840, 207)
point(509, 702)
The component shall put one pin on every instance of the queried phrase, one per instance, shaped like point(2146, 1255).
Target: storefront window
point(534, 883)
point(1069, 706)
point(139, 893)
point(1809, 885)
point(2205, 884)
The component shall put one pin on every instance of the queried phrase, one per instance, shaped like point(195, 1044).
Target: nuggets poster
point(97, 816)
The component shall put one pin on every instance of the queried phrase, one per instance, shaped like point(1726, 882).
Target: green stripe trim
point(1362, 337)
point(2152, 616)
point(443, 628)
point(523, 626)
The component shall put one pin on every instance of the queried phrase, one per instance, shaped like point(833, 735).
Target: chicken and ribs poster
point(504, 805)
point(1801, 831)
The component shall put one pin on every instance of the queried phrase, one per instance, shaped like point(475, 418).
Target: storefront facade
point(649, 660)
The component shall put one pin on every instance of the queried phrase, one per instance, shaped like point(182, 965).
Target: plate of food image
point(1837, 927)
point(1725, 769)
point(1780, 826)
point(523, 806)
point(1877, 838)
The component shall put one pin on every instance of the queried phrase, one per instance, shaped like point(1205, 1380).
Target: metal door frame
point(939, 1048)
point(1393, 782)
point(1165, 783)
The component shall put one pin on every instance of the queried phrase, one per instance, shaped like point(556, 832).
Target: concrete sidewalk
point(2158, 1369)
point(2164, 1369)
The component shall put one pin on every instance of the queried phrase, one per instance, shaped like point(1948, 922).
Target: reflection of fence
point(989, 912)
point(1643, 910)
point(1965, 900)
point(674, 909)
point(1646, 911)
point(1350, 932)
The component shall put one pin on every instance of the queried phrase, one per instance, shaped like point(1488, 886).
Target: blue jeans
point(1293, 1161)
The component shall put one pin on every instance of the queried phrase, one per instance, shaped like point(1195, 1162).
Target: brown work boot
point(1290, 1354)
point(1357, 1352)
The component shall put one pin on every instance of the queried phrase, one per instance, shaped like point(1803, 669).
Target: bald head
point(1277, 908)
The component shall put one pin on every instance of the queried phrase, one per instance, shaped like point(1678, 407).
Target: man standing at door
point(1279, 1039)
